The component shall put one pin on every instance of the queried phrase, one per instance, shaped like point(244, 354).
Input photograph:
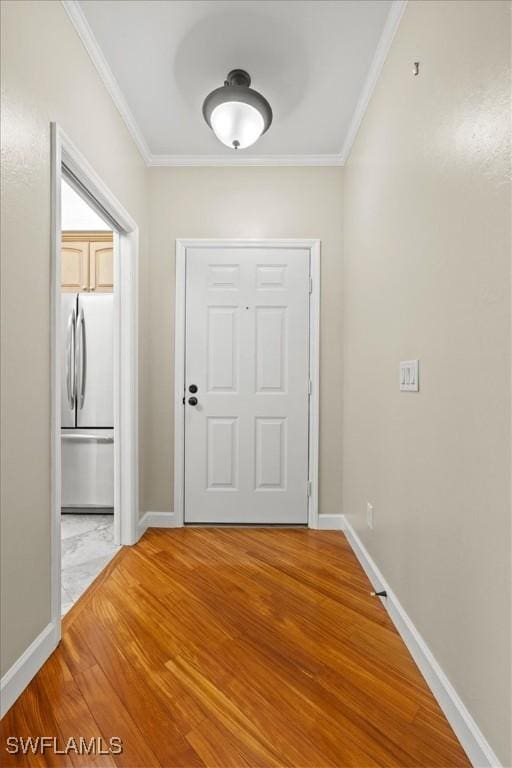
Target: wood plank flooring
point(234, 648)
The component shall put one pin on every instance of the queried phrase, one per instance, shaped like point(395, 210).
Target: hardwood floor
point(234, 648)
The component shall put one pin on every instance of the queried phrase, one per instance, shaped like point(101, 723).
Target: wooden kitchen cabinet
point(87, 262)
point(101, 267)
point(75, 266)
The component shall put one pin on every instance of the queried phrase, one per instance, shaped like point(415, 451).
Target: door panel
point(101, 267)
point(95, 349)
point(222, 459)
point(74, 266)
point(222, 349)
point(247, 342)
point(271, 453)
point(271, 344)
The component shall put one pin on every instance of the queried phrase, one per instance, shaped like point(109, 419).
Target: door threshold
point(246, 525)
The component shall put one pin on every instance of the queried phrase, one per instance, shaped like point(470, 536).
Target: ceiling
point(315, 61)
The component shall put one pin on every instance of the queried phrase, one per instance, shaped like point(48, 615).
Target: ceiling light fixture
point(237, 114)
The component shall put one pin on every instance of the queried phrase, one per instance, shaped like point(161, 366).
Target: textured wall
point(236, 202)
point(427, 275)
point(46, 76)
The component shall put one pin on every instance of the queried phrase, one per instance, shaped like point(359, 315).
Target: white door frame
point(179, 361)
point(126, 246)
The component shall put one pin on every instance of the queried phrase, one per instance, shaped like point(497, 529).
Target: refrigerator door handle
point(81, 359)
point(87, 438)
point(70, 358)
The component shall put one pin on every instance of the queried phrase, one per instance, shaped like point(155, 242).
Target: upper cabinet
point(101, 266)
point(87, 262)
point(75, 266)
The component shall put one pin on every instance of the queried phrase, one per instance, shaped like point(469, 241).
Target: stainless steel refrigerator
point(87, 397)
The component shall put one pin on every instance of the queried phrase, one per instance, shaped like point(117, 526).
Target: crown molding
point(388, 33)
point(92, 47)
point(177, 161)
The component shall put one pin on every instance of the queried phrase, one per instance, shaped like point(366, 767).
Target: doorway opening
point(88, 510)
point(94, 253)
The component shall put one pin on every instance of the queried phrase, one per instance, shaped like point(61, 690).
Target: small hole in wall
point(416, 68)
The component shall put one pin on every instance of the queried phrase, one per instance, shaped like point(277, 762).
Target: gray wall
point(235, 202)
point(46, 75)
point(427, 275)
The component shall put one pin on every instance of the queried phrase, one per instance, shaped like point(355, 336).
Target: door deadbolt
point(193, 388)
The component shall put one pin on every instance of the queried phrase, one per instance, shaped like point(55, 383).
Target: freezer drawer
point(87, 468)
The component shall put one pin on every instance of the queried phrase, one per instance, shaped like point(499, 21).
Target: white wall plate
point(409, 376)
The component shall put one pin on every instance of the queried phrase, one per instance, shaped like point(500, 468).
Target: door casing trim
point(126, 247)
point(313, 245)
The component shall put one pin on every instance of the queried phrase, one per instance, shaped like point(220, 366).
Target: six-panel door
point(247, 342)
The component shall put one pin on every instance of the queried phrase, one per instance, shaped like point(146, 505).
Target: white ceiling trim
point(243, 160)
point(388, 33)
point(92, 47)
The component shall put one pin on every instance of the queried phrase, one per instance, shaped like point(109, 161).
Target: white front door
point(247, 353)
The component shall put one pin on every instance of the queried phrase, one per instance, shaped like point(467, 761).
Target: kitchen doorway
point(89, 525)
point(94, 253)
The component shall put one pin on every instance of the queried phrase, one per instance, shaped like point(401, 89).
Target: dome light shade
point(236, 124)
point(237, 114)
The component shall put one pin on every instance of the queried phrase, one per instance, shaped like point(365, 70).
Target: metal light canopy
point(237, 114)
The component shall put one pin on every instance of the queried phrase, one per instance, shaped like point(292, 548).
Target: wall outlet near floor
point(369, 515)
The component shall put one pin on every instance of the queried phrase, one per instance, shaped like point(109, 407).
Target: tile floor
point(87, 546)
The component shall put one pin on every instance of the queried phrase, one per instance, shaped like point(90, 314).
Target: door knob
point(193, 401)
point(193, 388)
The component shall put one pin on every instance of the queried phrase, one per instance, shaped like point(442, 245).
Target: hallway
point(235, 647)
point(256, 271)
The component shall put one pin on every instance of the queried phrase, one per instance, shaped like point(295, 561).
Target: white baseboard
point(467, 731)
point(156, 520)
point(331, 523)
point(16, 679)
point(168, 520)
